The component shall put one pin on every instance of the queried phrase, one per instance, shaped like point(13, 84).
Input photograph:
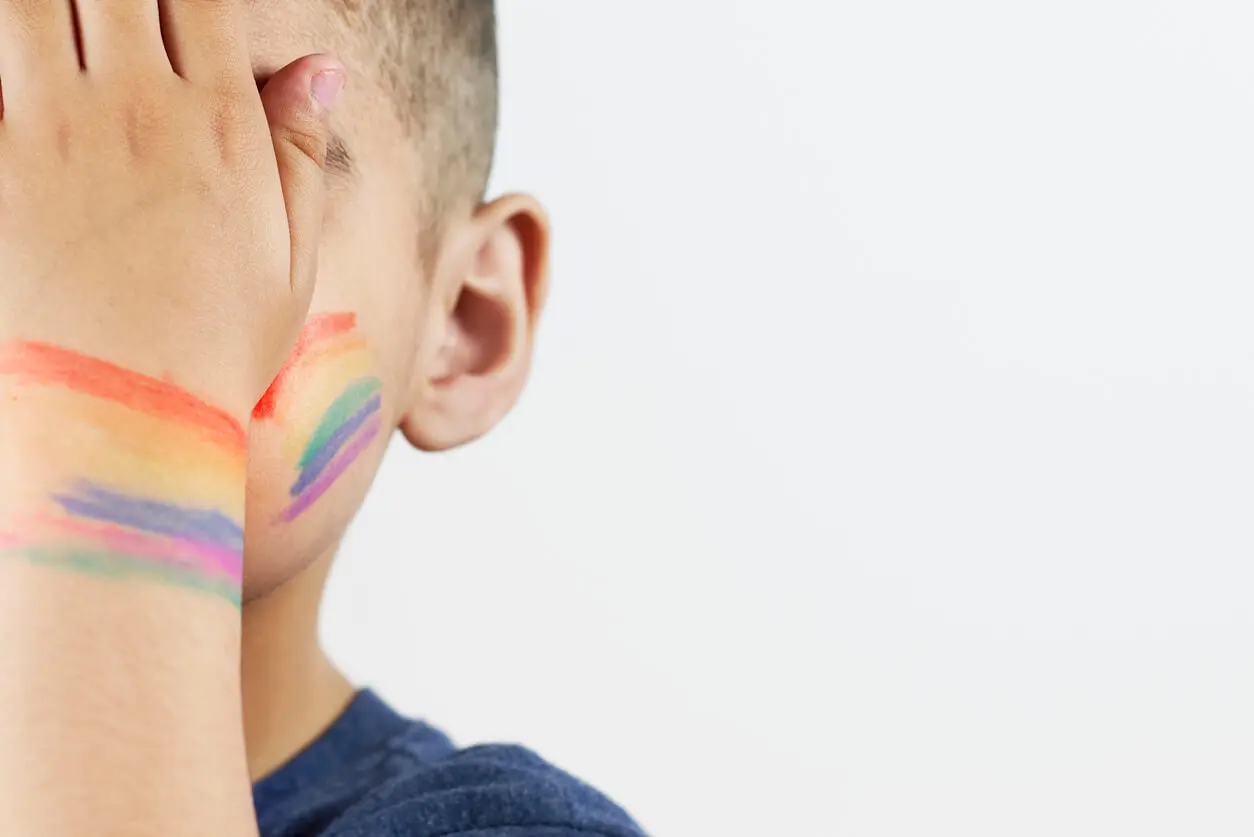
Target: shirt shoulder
point(377, 774)
point(485, 791)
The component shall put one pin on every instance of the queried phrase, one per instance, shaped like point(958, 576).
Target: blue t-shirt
point(377, 774)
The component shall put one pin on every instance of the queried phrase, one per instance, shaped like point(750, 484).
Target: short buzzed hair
point(439, 59)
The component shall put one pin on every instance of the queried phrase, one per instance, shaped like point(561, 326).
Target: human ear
point(491, 284)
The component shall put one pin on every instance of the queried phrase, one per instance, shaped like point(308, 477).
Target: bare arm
point(158, 235)
point(121, 549)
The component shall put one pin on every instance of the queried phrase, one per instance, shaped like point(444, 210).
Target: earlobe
point(497, 283)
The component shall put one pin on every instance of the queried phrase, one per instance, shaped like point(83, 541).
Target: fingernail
point(326, 87)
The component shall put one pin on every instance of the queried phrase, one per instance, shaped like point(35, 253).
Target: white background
point(887, 468)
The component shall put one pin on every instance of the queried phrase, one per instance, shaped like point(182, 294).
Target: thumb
point(298, 101)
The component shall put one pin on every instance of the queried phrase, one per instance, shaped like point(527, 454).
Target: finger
point(120, 34)
point(298, 101)
point(206, 39)
point(37, 44)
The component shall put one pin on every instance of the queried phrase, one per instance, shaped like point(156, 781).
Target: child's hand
point(143, 218)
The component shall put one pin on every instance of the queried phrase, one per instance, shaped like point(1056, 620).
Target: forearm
point(119, 711)
point(121, 505)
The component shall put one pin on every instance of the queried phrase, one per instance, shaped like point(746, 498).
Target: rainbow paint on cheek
point(155, 470)
point(329, 404)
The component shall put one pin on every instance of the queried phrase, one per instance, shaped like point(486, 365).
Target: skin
point(208, 214)
point(453, 339)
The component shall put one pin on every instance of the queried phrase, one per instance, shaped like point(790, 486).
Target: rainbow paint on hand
point(157, 485)
point(329, 402)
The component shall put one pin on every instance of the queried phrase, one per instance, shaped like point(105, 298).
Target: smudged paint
point(94, 502)
point(329, 405)
point(360, 395)
point(333, 472)
point(181, 551)
point(103, 563)
point(318, 456)
point(155, 469)
point(318, 331)
point(40, 364)
point(189, 546)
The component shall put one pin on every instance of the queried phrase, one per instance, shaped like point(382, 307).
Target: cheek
point(315, 441)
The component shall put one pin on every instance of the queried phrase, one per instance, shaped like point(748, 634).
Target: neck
point(291, 690)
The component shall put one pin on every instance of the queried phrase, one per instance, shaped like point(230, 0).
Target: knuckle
point(229, 118)
point(145, 123)
point(140, 129)
point(64, 140)
point(308, 140)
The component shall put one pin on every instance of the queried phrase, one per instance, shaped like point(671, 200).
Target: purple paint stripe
point(310, 473)
point(95, 502)
point(333, 472)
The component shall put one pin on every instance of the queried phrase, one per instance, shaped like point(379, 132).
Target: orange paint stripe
point(319, 328)
point(45, 365)
point(317, 354)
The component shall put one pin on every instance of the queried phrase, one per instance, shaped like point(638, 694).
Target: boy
point(168, 369)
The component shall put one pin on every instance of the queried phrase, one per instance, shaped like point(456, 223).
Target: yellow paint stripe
point(108, 443)
point(313, 392)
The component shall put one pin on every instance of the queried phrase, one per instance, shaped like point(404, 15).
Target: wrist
point(117, 475)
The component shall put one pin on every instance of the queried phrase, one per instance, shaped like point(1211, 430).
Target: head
point(427, 295)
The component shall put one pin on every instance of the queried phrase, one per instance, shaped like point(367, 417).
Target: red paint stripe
point(42, 364)
point(319, 328)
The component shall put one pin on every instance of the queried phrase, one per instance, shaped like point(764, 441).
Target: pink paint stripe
point(182, 552)
point(333, 472)
point(8, 542)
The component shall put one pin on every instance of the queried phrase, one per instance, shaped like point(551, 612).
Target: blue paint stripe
point(94, 502)
point(335, 444)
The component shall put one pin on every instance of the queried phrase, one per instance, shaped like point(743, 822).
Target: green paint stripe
point(359, 392)
point(112, 565)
